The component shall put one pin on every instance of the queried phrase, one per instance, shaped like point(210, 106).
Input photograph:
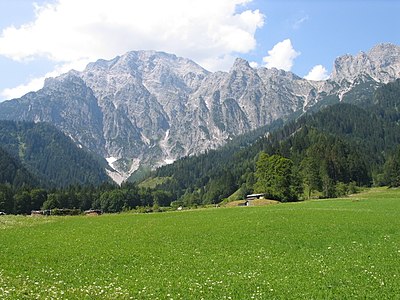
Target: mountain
point(381, 63)
point(342, 143)
point(44, 151)
point(145, 109)
point(324, 154)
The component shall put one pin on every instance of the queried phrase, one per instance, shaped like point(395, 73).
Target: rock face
point(149, 108)
point(381, 63)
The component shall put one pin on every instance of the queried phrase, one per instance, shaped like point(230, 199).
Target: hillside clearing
point(255, 202)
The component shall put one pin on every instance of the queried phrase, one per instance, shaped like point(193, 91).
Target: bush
point(341, 189)
point(65, 212)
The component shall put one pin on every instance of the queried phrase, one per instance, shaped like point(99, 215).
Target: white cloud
point(281, 56)
point(35, 84)
point(318, 72)
point(254, 64)
point(16, 92)
point(68, 31)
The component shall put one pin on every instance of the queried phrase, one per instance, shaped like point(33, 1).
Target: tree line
point(325, 154)
point(106, 197)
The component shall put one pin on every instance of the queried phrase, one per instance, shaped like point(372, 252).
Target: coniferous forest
point(328, 153)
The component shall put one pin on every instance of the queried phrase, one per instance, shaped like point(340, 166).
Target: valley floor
point(320, 249)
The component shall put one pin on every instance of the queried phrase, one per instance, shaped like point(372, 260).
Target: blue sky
point(52, 36)
point(325, 29)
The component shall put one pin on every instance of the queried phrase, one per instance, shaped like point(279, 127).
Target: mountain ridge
point(344, 142)
point(149, 108)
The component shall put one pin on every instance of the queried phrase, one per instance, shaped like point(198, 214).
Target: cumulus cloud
point(254, 64)
point(16, 92)
point(318, 72)
point(35, 84)
point(70, 30)
point(66, 31)
point(281, 56)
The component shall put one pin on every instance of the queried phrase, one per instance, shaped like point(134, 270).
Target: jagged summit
point(240, 64)
point(142, 59)
point(381, 63)
point(147, 108)
point(385, 49)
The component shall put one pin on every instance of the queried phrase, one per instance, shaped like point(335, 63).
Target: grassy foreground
point(326, 249)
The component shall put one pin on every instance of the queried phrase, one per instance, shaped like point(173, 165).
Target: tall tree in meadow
point(276, 178)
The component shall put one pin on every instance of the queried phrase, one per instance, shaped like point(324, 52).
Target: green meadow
point(324, 249)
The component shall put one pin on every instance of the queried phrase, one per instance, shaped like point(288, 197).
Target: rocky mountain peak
point(240, 64)
point(147, 108)
point(384, 50)
point(102, 64)
point(71, 76)
point(381, 63)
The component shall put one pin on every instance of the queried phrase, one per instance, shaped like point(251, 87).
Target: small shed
point(254, 196)
point(93, 212)
point(37, 213)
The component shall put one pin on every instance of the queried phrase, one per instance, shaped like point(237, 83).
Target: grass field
point(323, 249)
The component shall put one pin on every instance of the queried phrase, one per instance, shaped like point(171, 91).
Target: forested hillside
point(343, 145)
point(325, 154)
point(13, 173)
point(50, 155)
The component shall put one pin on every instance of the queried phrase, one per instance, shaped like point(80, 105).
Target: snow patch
point(72, 138)
point(345, 91)
point(111, 160)
point(166, 148)
point(134, 166)
point(164, 142)
point(120, 176)
point(116, 176)
point(144, 139)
